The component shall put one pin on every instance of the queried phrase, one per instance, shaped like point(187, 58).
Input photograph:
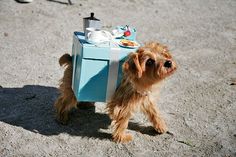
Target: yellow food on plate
point(125, 42)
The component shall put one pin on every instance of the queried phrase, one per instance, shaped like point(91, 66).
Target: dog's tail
point(65, 59)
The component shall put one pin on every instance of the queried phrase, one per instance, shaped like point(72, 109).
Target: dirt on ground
point(198, 102)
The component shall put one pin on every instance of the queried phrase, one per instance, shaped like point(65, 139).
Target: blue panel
point(93, 82)
point(97, 53)
point(77, 58)
point(77, 74)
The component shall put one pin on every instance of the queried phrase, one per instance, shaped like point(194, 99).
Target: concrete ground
point(198, 101)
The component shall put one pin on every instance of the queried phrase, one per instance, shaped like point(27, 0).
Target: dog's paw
point(161, 128)
point(124, 138)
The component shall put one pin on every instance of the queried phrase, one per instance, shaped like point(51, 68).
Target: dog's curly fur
point(142, 70)
point(67, 99)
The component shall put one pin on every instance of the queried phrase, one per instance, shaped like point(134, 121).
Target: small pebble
point(5, 34)
point(233, 82)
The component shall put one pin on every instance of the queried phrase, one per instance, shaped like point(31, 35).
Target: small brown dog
point(141, 72)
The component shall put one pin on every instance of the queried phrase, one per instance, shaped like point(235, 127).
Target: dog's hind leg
point(67, 99)
point(63, 105)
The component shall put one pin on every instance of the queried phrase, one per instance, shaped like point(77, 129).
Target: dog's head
point(149, 64)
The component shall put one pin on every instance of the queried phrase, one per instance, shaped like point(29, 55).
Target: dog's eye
point(150, 62)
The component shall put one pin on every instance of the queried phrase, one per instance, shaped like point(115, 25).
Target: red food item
point(127, 33)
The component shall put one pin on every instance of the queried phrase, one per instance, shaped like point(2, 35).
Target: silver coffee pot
point(91, 22)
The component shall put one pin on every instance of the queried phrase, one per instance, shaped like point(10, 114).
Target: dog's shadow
point(31, 107)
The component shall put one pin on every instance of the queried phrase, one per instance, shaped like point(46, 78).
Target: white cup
point(97, 36)
point(90, 29)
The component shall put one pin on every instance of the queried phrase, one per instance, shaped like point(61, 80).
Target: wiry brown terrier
point(142, 70)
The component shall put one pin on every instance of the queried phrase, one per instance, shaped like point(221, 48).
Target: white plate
point(131, 47)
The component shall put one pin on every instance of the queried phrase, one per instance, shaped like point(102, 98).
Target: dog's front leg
point(120, 120)
point(150, 109)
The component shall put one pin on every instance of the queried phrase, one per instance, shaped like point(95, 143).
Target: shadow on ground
point(31, 108)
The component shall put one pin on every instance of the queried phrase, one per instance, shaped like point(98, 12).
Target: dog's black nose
point(168, 64)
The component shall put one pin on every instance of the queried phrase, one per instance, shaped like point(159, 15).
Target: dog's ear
point(132, 64)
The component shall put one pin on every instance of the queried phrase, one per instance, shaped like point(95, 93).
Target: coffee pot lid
point(91, 17)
